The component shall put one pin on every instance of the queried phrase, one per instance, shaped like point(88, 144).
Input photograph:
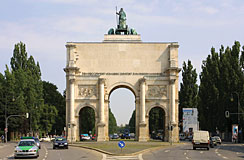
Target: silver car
point(26, 148)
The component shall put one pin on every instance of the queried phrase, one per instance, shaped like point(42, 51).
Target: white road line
point(201, 152)
point(140, 157)
point(219, 155)
point(185, 153)
point(187, 158)
point(167, 151)
point(237, 152)
point(225, 157)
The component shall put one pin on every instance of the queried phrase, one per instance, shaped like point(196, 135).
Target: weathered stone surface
point(122, 61)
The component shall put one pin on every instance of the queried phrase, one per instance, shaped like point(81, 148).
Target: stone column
point(143, 136)
point(72, 100)
point(172, 98)
point(142, 100)
point(101, 99)
point(101, 125)
point(72, 115)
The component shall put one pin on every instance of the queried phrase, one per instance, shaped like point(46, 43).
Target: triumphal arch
point(149, 69)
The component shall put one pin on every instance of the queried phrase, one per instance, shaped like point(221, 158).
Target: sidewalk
point(131, 147)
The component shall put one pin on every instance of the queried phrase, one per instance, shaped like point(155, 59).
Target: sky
point(46, 25)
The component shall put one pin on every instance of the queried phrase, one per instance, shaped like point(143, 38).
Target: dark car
point(213, 142)
point(126, 134)
point(60, 142)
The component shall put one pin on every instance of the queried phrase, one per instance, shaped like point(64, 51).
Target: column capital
point(102, 80)
point(172, 81)
point(142, 80)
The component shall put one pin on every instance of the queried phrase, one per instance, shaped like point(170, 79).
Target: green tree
point(221, 78)
point(132, 122)
point(52, 97)
point(112, 123)
point(188, 88)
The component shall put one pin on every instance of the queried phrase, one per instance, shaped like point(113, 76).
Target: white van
point(200, 139)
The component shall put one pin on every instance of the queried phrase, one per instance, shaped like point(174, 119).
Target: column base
point(143, 132)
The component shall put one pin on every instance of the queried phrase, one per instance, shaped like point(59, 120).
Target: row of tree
point(220, 90)
point(23, 91)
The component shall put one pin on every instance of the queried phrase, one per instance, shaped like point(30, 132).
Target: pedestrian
point(2, 138)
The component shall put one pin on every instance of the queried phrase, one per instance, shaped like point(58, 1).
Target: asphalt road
point(48, 153)
point(181, 152)
point(185, 152)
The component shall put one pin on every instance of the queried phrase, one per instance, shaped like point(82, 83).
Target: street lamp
point(238, 105)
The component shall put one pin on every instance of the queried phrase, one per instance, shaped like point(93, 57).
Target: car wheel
point(194, 148)
point(54, 147)
point(67, 147)
point(208, 148)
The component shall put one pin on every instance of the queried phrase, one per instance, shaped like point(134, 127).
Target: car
point(213, 142)
point(115, 136)
point(200, 140)
point(37, 142)
point(45, 139)
point(26, 148)
point(84, 137)
point(218, 139)
point(60, 142)
point(182, 136)
point(125, 134)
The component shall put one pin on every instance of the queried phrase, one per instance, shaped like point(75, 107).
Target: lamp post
point(6, 123)
point(238, 105)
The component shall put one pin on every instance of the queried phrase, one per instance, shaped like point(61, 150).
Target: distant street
point(182, 152)
point(185, 152)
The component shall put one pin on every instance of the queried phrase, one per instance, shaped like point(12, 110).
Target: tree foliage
point(21, 90)
point(188, 88)
point(221, 78)
point(132, 122)
point(112, 123)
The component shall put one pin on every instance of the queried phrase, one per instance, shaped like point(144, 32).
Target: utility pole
point(6, 123)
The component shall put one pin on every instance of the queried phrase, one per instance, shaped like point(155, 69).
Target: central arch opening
point(122, 111)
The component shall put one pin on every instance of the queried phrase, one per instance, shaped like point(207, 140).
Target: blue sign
point(121, 144)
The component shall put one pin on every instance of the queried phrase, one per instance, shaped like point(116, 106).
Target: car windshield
point(26, 143)
point(37, 140)
point(60, 139)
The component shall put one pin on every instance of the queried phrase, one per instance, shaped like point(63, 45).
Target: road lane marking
point(237, 152)
point(225, 157)
point(166, 151)
point(138, 157)
point(201, 152)
point(187, 158)
point(185, 153)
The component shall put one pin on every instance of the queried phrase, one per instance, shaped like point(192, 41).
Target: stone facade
point(95, 69)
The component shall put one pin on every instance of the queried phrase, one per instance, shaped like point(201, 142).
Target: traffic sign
point(121, 144)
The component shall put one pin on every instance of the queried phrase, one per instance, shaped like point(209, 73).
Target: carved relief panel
point(87, 91)
point(157, 91)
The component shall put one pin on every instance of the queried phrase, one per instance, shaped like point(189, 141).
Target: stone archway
point(94, 69)
point(129, 88)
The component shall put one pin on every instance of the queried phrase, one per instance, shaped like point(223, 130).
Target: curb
point(127, 154)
